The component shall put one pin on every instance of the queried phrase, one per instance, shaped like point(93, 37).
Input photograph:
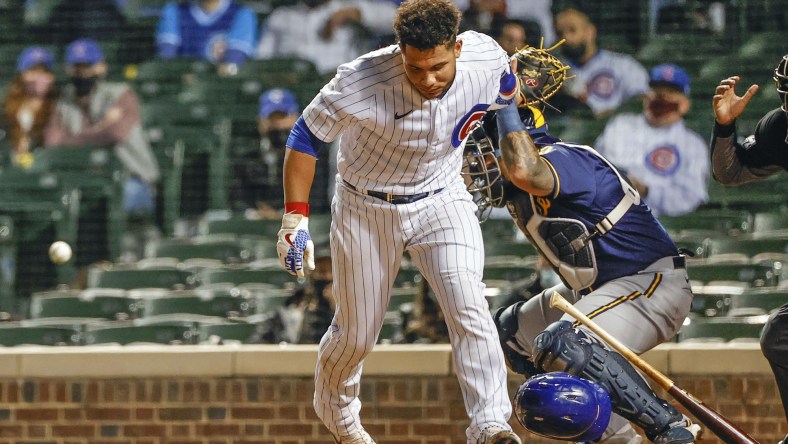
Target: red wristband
point(301, 208)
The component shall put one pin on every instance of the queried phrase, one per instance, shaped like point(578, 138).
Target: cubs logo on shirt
point(663, 160)
point(603, 84)
point(466, 123)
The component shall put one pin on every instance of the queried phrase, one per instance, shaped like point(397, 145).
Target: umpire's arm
point(522, 164)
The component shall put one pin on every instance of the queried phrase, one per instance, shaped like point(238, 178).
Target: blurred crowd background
point(149, 135)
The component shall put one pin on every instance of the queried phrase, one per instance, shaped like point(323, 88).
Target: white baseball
point(59, 252)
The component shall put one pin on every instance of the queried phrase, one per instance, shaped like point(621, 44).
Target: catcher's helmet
point(781, 79)
point(481, 170)
point(561, 406)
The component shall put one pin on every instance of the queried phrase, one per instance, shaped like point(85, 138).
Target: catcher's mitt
point(541, 74)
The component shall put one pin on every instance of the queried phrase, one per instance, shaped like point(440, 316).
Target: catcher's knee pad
point(516, 358)
point(563, 348)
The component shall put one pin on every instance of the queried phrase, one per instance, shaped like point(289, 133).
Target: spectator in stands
point(29, 103)
point(667, 162)
point(259, 175)
point(511, 35)
point(484, 15)
point(222, 31)
point(95, 19)
point(325, 32)
point(92, 111)
point(603, 79)
point(538, 13)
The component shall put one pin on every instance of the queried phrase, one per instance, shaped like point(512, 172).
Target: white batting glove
point(295, 245)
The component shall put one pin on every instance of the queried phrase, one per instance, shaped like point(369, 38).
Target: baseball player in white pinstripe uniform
point(403, 113)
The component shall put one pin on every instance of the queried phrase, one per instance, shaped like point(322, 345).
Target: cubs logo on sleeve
point(466, 124)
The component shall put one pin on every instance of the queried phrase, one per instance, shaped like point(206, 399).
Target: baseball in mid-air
point(60, 252)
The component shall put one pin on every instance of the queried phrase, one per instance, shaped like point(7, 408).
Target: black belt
point(396, 199)
point(679, 262)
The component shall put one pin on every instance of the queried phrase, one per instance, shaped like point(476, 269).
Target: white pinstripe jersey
point(393, 139)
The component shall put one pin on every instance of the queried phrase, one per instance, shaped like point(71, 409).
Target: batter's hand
point(727, 105)
point(295, 245)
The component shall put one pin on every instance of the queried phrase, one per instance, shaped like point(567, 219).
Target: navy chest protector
point(565, 242)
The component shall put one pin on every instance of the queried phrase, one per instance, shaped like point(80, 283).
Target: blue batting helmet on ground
point(561, 406)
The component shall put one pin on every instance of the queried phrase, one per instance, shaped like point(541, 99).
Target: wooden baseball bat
point(720, 425)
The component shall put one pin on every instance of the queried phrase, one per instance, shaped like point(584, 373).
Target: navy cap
point(83, 51)
point(278, 99)
point(32, 56)
point(670, 75)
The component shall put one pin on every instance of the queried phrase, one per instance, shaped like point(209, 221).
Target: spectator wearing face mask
point(29, 103)
point(667, 162)
point(603, 79)
point(259, 174)
point(92, 111)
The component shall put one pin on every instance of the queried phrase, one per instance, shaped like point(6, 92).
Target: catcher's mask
point(561, 406)
point(781, 79)
point(481, 170)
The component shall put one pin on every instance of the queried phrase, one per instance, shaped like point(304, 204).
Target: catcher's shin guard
point(516, 358)
point(563, 348)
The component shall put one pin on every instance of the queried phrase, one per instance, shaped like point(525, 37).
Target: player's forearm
point(726, 167)
point(524, 165)
point(299, 172)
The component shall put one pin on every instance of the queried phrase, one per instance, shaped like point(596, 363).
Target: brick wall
point(277, 410)
point(249, 405)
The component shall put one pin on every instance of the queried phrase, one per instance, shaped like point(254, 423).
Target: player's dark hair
point(426, 24)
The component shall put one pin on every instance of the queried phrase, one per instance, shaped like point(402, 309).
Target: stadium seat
point(512, 271)
point(199, 303)
point(758, 301)
point(14, 333)
point(275, 276)
point(722, 328)
point(392, 329)
point(714, 299)
point(128, 333)
point(130, 278)
point(749, 245)
point(90, 303)
point(228, 223)
point(756, 275)
point(243, 332)
point(266, 300)
point(772, 222)
point(284, 72)
point(225, 250)
point(767, 46)
point(724, 221)
point(402, 295)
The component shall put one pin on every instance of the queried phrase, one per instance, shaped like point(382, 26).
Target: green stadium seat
point(274, 276)
point(725, 221)
point(283, 72)
point(14, 333)
point(767, 46)
point(126, 332)
point(90, 303)
point(764, 195)
point(402, 295)
point(749, 245)
point(199, 303)
point(755, 275)
point(508, 248)
point(408, 276)
point(131, 278)
point(392, 329)
point(243, 332)
point(771, 222)
point(225, 250)
point(513, 271)
point(714, 298)
point(759, 301)
point(722, 328)
point(227, 223)
point(266, 300)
